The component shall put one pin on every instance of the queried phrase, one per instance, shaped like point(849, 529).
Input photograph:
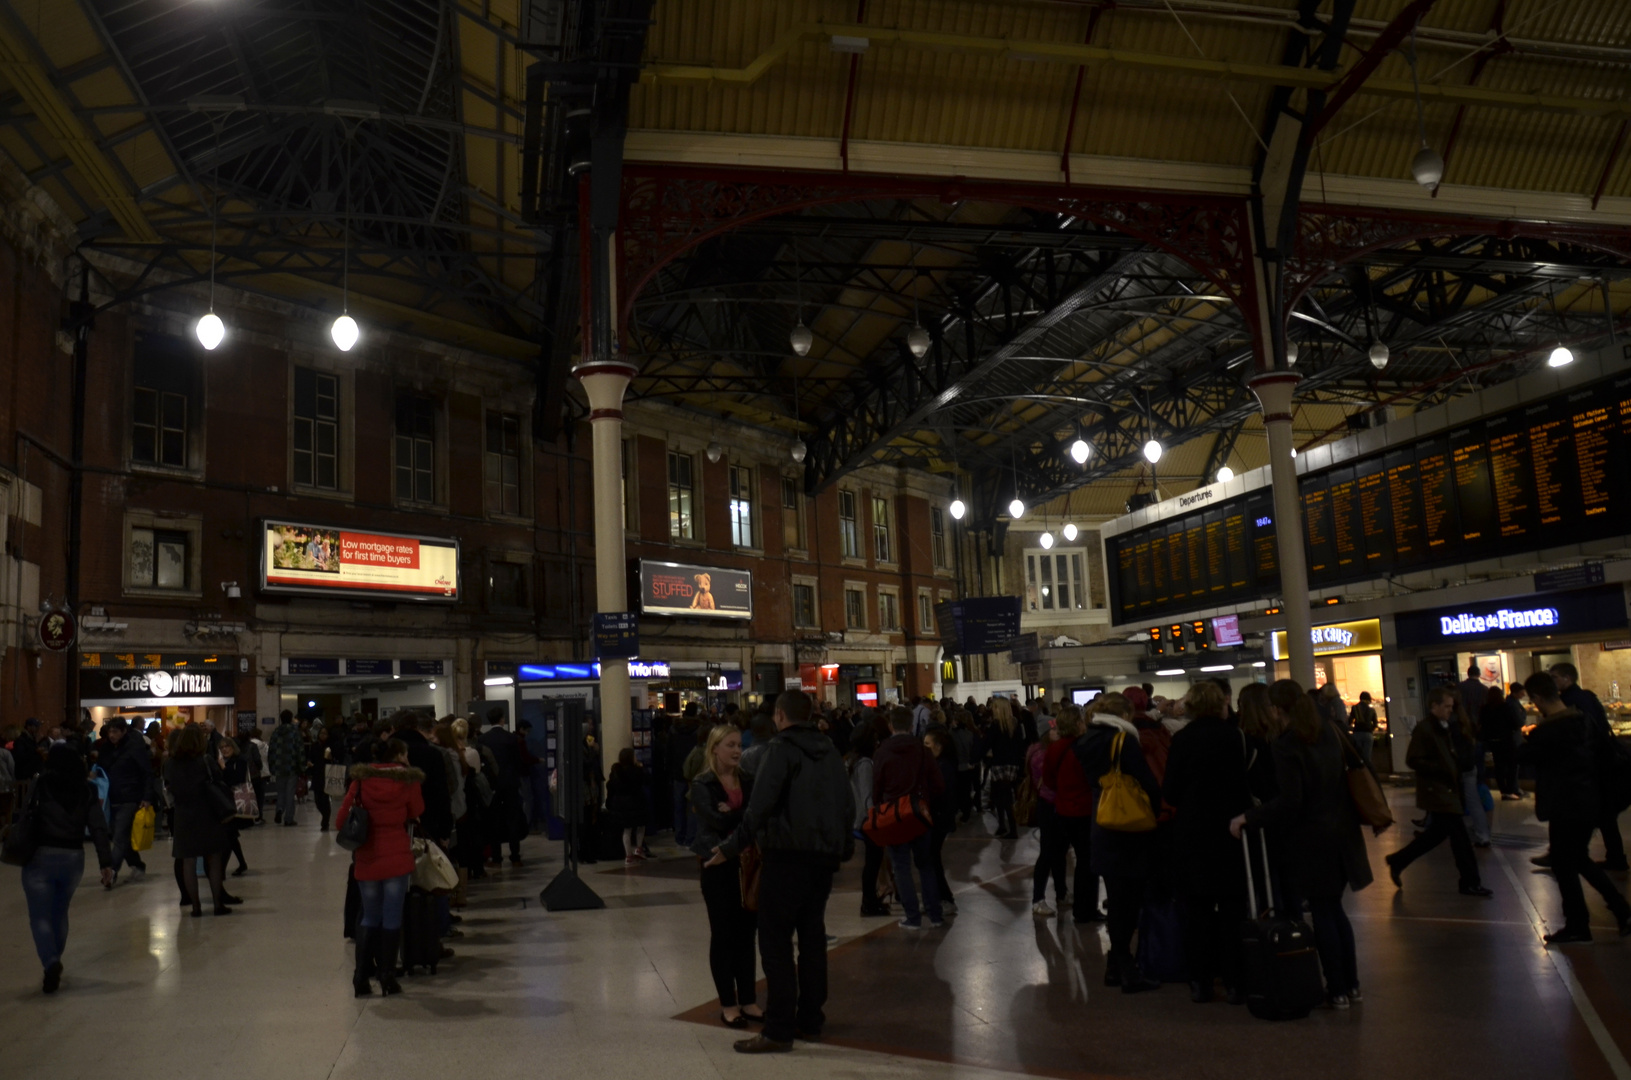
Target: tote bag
point(1369, 800)
point(334, 781)
point(1124, 806)
point(142, 827)
point(244, 803)
point(432, 870)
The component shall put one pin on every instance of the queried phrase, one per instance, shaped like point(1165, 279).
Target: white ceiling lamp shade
point(1225, 475)
point(345, 333)
point(1080, 451)
point(957, 509)
point(715, 452)
point(799, 451)
point(1427, 167)
point(800, 338)
point(1291, 354)
point(211, 330)
point(1047, 540)
point(1561, 356)
point(917, 340)
point(1152, 451)
point(1016, 509)
point(1379, 355)
point(1070, 531)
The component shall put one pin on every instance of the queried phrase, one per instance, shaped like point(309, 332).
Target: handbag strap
point(1115, 752)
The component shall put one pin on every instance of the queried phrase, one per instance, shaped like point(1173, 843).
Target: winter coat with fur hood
point(390, 793)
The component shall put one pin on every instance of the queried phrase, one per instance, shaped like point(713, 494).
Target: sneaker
point(1477, 890)
point(1355, 996)
point(1041, 908)
point(949, 907)
point(631, 860)
point(1569, 936)
point(937, 923)
point(907, 924)
point(1339, 1001)
point(137, 873)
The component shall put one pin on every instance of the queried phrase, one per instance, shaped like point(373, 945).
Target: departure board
point(1535, 477)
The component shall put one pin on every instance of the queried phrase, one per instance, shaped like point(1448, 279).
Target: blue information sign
point(617, 635)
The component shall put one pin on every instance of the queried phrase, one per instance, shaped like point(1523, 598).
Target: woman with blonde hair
point(1008, 746)
point(719, 794)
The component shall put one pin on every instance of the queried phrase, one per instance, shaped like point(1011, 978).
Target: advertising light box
point(705, 591)
point(318, 561)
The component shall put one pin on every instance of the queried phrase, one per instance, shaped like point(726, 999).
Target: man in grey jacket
point(800, 815)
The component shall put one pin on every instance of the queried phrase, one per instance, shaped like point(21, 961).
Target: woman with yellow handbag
point(1123, 829)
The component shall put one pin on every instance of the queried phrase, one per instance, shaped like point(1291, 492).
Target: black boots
point(365, 937)
point(386, 943)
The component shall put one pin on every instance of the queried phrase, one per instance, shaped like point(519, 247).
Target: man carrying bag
point(904, 772)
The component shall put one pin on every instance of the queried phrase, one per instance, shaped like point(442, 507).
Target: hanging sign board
point(319, 561)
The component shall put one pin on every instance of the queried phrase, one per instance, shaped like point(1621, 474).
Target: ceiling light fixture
point(1171, 671)
point(1152, 451)
point(1291, 354)
point(1561, 356)
point(433, 686)
point(210, 330)
point(1428, 164)
point(798, 449)
point(800, 337)
point(1080, 451)
point(1070, 531)
point(1016, 509)
point(957, 509)
point(344, 331)
point(1225, 475)
point(1047, 540)
point(715, 452)
point(1379, 355)
point(917, 338)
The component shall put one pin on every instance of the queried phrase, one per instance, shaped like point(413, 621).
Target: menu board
point(1535, 477)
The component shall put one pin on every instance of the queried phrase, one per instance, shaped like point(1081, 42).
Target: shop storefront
point(1346, 654)
point(1509, 639)
point(332, 687)
point(174, 690)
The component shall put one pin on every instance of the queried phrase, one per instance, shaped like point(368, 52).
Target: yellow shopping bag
point(141, 829)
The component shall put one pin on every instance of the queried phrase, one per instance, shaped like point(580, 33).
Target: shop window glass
point(415, 449)
point(158, 559)
point(316, 429)
point(503, 463)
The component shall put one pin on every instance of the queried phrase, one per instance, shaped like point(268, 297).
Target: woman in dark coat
point(627, 804)
point(1122, 859)
point(1439, 747)
point(235, 771)
point(1008, 746)
point(1207, 784)
point(1315, 816)
point(718, 795)
point(200, 830)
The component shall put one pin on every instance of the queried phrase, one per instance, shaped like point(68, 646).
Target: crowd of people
point(1153, 797)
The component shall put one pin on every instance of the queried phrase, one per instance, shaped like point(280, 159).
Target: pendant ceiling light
point(917, 338)
point(345, 331)
point(1379, 355)
point(957, 509)
point(1428, 165)
point(1152, 451)
point(799, 337)
point(210, 330)
point(798, 450)
point(1016, 509)
point(1291, 354)
point(1080, 451)
point(1047, 540)
point(1225, 475)
point(1561, 356)
point(1070, 531)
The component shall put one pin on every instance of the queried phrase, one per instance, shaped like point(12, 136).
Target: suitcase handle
point(1268, 880)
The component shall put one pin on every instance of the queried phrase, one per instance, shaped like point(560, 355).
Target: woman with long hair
point(390, 791)
point(1008, 747)
point(1313, 816)
point(719, 794)
point(201, 816)
point(66, 808)
point(1438, 747)
point(1258, 719)
point(626, 803)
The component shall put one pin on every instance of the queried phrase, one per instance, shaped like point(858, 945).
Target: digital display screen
point(866, 693)
point(1082, 695)
point(1530, 478)
point(1226, 631)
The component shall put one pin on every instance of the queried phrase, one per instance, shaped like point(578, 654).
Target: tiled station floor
point(1454, 986)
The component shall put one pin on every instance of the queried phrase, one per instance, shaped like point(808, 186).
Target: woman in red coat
point(389, 790)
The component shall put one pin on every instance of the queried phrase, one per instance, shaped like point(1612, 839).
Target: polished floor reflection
point(1453, 985)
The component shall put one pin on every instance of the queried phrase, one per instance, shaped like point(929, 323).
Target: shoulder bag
point(1369, 800)
point(432, 870)
point(22, 840)
point(218, 797)
point(354, 833)
point(1124, 805)
point(334, 780)
point(245, 805)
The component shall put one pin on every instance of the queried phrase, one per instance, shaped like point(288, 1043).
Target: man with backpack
point(902, 766)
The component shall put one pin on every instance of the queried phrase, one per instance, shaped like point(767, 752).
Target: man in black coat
point(25, 751)
point(1577, 697)
point(1567, 799)
point(506, 808)
point(1505, 749)
point(436, 823)
point(129, 766)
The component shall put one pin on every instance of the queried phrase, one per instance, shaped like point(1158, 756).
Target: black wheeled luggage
point(1280, 970)
point(421, 942)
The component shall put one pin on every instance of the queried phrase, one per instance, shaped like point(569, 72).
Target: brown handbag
point(1369, 800)
point(751, 863)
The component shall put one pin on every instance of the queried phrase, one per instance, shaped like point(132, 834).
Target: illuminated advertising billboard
point(316, 560)
point(706, 591)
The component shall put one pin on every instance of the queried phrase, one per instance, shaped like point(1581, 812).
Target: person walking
point(390, 790)
point(1008, 746)
point(1121, 858)
point(1577, 697)
point(66, 808)
point(942, 809)
point(1206, 784)
point(318, 757)
point(719, 794)
point(862, 745)
point(1073, 805)
point(287, 762)
point(203, 806)
point(1472, 690)
point(626, 802)
point(1362, 725)
point(129, 767)
point(799, 815)
point(259, 755)
point(1050, 846)
point(1437, 747)
point(1313, 814)
point(1568, 798)
point(235, 771)
point(1506, 753)
point(901, 767)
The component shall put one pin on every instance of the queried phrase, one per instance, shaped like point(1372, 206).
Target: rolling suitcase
point(421, 944)
point(1280, 970)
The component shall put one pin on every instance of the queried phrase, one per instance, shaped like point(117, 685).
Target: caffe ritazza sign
point(155, 687)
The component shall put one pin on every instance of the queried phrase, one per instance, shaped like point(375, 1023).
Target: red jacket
point(902, 765)
point(1073, 795)
point(390, 793)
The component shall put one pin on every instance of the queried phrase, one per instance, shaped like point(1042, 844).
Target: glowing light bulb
point(799, 450)
point(1070, 531)
point(1225, 475)
point(1379, 355)
point(917, 340)
point(1080, 451)
point(801, 339)
point(1561, 357)
point(211, 330)
point(1016, 509)
point(957, 509)
point(1047, 540)
point(1152, 451)
point(344, 332)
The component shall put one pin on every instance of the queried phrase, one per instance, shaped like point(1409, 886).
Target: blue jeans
point(49, 881)
point(382, 902)
point(285, 797)
point(124, 816)
point(901, 858)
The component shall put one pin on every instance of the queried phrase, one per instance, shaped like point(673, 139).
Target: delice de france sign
point(320, 561)
point(1501, 619)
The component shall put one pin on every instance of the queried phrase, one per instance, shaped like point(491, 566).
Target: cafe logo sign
point(1341, 637)
point(161, 684)
point(1498, 620)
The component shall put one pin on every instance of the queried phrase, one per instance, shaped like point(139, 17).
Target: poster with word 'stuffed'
point(321, 561)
